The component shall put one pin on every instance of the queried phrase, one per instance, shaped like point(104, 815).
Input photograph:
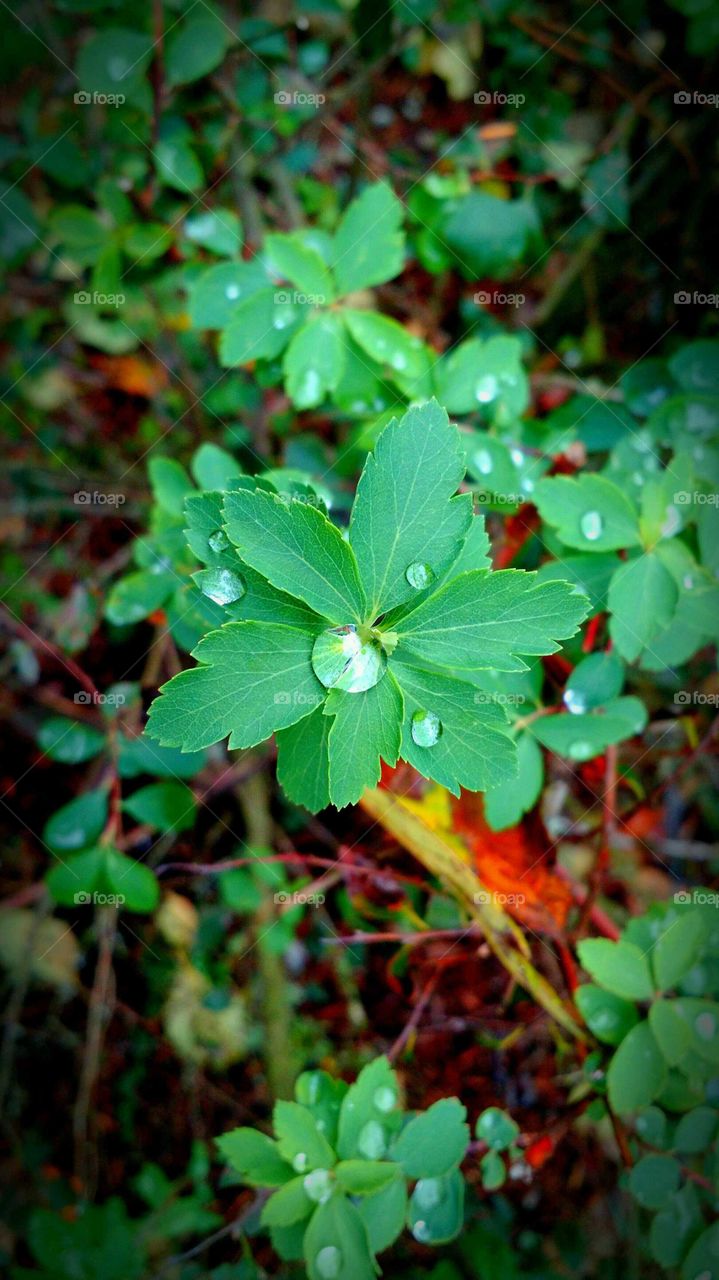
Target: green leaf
point(298, 550)
point(137, 595)
point(435, 1141)
point(489, 236)
point(619, 967)
point(696, 1131)
point(486, 377)
point(365, 1177)
point(595, 680)
point(216, 293)
point(472, 748)
point(69, 741)
point(404, 514)
point(255, 677)
point(368, 246)
point(218, 230)
point(702, 1019)
point(637, 1072)
point(670, 1032)
point(678, 949)
point(653, 1180)
point(303, 760)
point(642, 599)
point(74, 882)
point(436, 1208)
point(581, 737)
point(114, 61)
point(137, 884)
point(588, 512)
point(167, 806)
point(178, 166)
point(170, 484)
point(505, 804)
point(78, 823)
point(314, 361)
point(605, 194)
point(384, 1214)
point(696, 366)
point(322, 1094)
point(387, 342)
point(213, 467)
point(139, 755)
point(336, 1243)
point(293, 259)
point(260, 326)
point(485, 620)
point(299, 1141)
point(372, 1099)
point(674, 1227)
point(365, 727)
point(702, 1261)
point(254, 1156)
point(493, 1171)
point(290, 1204)
point(497, 1129)
point(608, 1017)
point(195, 47)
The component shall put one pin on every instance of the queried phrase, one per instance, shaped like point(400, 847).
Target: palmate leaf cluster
point(364, 648)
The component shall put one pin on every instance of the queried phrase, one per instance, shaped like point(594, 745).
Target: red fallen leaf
point(133, 374)
point(514, 864)
point(552, 398)
point(539, 1152)
point(644, 822)
point(158, 617)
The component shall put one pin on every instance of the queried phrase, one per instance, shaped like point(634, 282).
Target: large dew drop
point(575, 702)
point(591, 525)
point(341, 659)
point(483, 462)
point(299, 1162)
point(329, 1262)
point(221, 585)
point(486, 389)
point(419, 575)
point(426, 728)
point(428, 1193)
point(581, 750)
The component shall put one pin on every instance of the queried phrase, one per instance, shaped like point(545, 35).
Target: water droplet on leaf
point(581, 750)
point(419, 575)
point(705, 1026)
point(591, 525)
point(372, 1141)
point(426, 728)
point(219, 540)
point(299, 1162)
point(341, 659)
point(384, 1098)
point(428, 1192)
point(574, 702)
point(221, 585)
point(421, 1231)
point(483, 461)
point(318, 1185)
point(486, 389)
point(329, 1262)
point(232, 291)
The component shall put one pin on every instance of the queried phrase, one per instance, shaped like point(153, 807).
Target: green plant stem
point(276, 1009)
